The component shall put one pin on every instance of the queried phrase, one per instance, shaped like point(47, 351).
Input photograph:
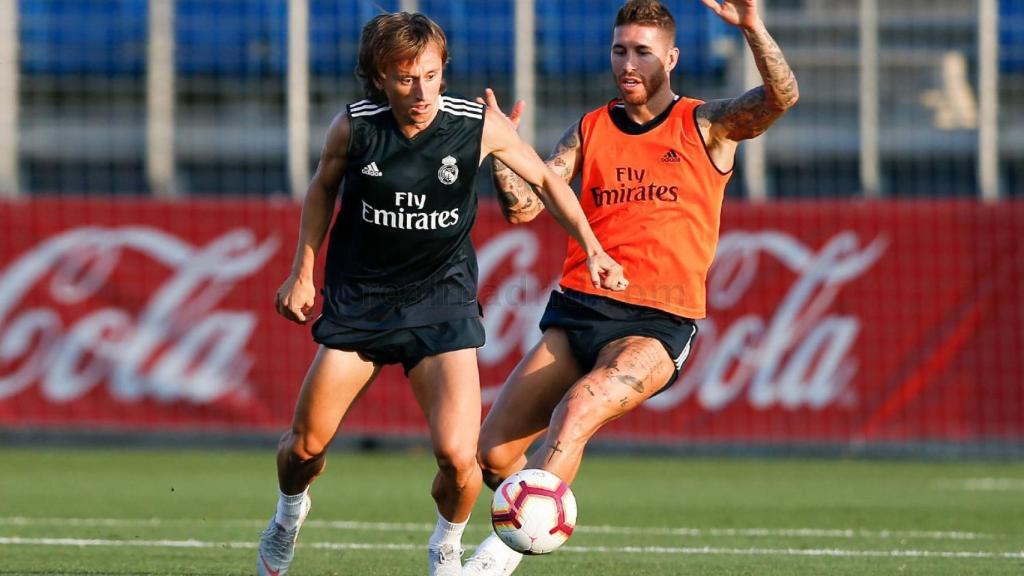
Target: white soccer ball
point(533, 511)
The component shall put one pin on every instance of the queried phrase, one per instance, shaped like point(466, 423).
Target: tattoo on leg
point(630, 381)
point(554, 449)
point(587, 386)
point(624, 401)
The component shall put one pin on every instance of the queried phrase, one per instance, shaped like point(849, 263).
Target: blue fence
point(83, 36)
point(1011, 36)
point(249, 37)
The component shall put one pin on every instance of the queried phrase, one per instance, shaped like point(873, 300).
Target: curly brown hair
point(647, 13)
point(396, 37)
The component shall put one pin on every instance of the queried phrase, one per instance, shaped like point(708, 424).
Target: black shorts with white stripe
point(592, 322)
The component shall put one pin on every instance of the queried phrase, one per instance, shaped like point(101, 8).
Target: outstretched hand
point(742, 13)
point(491, 101)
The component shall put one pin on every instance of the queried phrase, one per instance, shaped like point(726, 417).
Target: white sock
point(495, 547)
point(447, 532)
point(289, 509)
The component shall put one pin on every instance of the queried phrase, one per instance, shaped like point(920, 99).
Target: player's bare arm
point(723, 123)
point(501, 140)
point(294, 299)
point(519, 201)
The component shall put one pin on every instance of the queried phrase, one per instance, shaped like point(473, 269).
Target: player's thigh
point(628, 371)
point(523, 408)
point(447, 387)
point(334, 381)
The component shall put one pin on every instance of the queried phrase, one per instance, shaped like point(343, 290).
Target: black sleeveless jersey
point(400, 253)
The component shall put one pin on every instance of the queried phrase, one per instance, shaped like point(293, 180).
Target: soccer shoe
point(492, 558)
point(483, 563)
point(444, 560)
point(277, 545)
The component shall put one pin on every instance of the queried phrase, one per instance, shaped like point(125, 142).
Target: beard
point(651, 86)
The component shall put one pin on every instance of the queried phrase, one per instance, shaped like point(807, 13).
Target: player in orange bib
point(653, 169)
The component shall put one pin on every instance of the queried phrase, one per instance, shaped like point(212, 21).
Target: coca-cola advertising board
point(828, 321)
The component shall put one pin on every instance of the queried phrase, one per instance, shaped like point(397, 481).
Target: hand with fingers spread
point(606, 273)
point(491, 101)
point(742, 13)
point(294, 299)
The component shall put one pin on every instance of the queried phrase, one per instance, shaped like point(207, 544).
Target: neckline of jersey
point(617, 112)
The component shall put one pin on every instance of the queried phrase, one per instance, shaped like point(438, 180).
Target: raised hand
point(492, 102)
point(742, 13)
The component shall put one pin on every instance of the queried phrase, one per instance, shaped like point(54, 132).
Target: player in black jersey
point(400, 284)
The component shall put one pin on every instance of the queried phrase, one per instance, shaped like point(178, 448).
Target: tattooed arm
point(519, 202)
point(723, 123)
point(500, 138)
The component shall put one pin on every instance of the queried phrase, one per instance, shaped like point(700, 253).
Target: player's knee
point(492, 478)
point(497, 462)
point(457, 462)
point(495, 458)
point(579, 417)
point(302, 445)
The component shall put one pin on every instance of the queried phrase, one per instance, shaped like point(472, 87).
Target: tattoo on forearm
point(779, 80)
point(515, 196)
point(751, 113)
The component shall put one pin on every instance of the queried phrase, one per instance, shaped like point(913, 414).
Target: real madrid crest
point(448, 173)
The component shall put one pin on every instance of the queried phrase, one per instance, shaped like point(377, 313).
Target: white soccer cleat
point(444, 560)
point(483, 563)
point(277, 545)
point(492, 558)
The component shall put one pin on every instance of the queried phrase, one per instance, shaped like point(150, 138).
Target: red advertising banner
point(829, 321)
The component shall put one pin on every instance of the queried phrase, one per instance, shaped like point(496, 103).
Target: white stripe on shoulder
point(363, 105)
point(445, 108)
point(461, 101)
point(369, 112)
point(453, 106)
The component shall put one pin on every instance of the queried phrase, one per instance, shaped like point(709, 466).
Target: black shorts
point(405, 346)
point(591, 322)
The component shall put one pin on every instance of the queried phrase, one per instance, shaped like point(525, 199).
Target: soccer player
point(401, 277)
point(653, 169)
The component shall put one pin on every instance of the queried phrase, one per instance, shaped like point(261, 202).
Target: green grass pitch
point(170, 512)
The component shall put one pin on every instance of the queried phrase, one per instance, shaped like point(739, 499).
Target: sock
point(496, 548)
point(447, 532)
point(289, 509)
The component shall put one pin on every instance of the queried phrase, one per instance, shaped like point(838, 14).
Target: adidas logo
point(671, 156)
point(371, 170)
